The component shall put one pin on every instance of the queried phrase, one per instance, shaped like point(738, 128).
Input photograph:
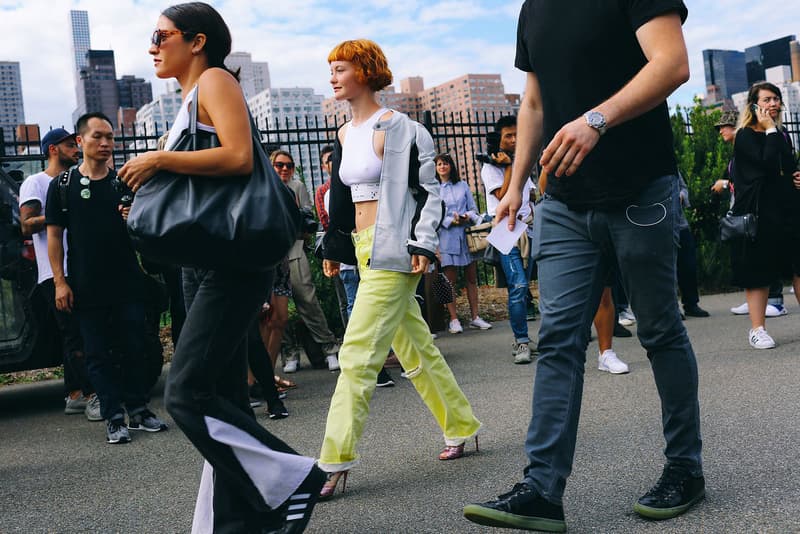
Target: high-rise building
point(277, 108)
point(794, 54)
point(134, 92)
point(81, 39)
point(760, 57)
point(725, 74)
point(97, 87)
point(155, 118)
point(12, 110)
point(253, 75)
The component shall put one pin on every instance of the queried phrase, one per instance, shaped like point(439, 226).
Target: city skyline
point(438, 40)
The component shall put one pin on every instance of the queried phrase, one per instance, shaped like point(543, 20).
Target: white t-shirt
point(492, 177)
point(35, 188)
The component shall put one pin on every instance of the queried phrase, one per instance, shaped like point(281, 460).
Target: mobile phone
point(754, 108)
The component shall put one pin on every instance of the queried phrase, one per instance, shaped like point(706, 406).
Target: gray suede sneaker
point(117, 432)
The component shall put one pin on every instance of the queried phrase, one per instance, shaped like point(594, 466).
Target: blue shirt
point(457, 199)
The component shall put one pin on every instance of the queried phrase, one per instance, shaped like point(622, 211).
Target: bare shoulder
point(388, 115)
point(217, 82)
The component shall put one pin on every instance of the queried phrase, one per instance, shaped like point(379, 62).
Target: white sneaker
point(434, 335)
point(759, 339)
point(742, 309)
point(290, 366)
point(480, 324)
point(626, 318)
point(333, 363)
point(776, 310)
point(522, 354)
point(455, 327)
point(610, 362)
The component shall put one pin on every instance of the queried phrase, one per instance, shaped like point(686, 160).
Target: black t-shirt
point(102, 264)
point(582, 53)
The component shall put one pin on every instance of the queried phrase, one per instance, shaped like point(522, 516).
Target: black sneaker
point(297, 508)
point(621, 331)
point(521, 508)
point(694, 310)
point(384, 379)
point(674, 493)
point(277, 410)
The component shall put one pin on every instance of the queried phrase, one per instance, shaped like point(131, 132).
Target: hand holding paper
point(504, 239)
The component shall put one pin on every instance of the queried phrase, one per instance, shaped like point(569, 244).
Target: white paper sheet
point(502, 239)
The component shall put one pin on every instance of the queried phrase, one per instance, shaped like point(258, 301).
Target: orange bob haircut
point(372, 69)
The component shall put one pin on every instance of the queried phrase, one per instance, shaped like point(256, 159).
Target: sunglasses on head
point(159, 35)
point(281, 165)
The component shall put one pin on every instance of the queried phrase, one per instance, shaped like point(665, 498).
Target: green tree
point(702, 159)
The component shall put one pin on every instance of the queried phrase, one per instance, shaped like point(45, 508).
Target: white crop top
point(182, 121)
point(360, 168)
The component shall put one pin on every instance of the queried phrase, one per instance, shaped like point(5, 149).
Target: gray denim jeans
point(574, 252)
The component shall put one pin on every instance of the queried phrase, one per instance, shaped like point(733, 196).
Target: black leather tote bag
point(240, 223)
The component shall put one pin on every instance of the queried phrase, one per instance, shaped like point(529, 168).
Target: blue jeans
point(517, 281)
point(113, 340)
point(350, 280)
point(575, 251)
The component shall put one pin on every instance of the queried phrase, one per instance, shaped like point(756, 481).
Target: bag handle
point(255, 133)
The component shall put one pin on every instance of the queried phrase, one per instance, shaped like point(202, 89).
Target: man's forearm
point(32, 225)
point(55, 253)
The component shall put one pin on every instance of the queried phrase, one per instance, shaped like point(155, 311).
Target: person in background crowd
point(726, 126)
point(383, 171)
point(62, 153)
point(252, 481)
point(460, 212)
point(687, 259)
point(764, 170)
point(516, 264)
point(105, 286)
point(611, 200)
point(303, 291)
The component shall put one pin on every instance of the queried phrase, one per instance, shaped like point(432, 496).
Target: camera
point(126, 193)
point(492, 147)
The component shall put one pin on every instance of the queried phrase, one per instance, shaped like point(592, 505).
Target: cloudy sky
point(436, 39)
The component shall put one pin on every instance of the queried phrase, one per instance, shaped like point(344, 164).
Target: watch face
point(595, 119)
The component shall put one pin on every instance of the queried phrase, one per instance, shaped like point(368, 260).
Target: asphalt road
point(57, 474)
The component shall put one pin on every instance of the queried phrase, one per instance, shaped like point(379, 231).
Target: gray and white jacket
point(409, 207)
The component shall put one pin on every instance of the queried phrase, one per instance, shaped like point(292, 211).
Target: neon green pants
point(385, 314)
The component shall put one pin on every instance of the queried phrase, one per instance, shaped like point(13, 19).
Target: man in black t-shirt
point(105, 288)
point(598, 74)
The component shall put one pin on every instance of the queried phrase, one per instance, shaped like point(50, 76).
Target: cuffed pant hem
point(455, 442)
point(337, 467)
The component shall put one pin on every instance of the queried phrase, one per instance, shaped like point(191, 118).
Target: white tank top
point(182, 121)
point(360, 168)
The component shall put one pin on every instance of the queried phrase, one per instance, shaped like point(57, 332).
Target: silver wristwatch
point(596, 120)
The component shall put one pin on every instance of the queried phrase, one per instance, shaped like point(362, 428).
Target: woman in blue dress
point(460, 212)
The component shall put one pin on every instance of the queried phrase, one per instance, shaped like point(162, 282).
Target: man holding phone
point(596, 97)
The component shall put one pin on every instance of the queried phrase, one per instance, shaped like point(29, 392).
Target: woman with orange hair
point(384, 213)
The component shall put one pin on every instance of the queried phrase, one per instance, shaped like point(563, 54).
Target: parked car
point(28, 334)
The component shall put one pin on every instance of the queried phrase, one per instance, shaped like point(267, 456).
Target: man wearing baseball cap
point(61, 150)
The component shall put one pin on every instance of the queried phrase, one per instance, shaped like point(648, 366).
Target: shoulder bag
point(240, 223)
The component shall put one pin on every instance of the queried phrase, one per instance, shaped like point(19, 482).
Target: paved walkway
point(58, 475)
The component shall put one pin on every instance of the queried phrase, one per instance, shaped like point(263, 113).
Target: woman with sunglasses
point(250, 478)
point(460, 212)
point(384, 212)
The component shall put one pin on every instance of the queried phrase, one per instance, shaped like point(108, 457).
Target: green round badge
point(85, 193)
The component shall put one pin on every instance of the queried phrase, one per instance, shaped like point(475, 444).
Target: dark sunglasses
point(159, 35)
point(281, 165)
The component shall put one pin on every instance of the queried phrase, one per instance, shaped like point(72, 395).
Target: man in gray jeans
point(612, 200)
